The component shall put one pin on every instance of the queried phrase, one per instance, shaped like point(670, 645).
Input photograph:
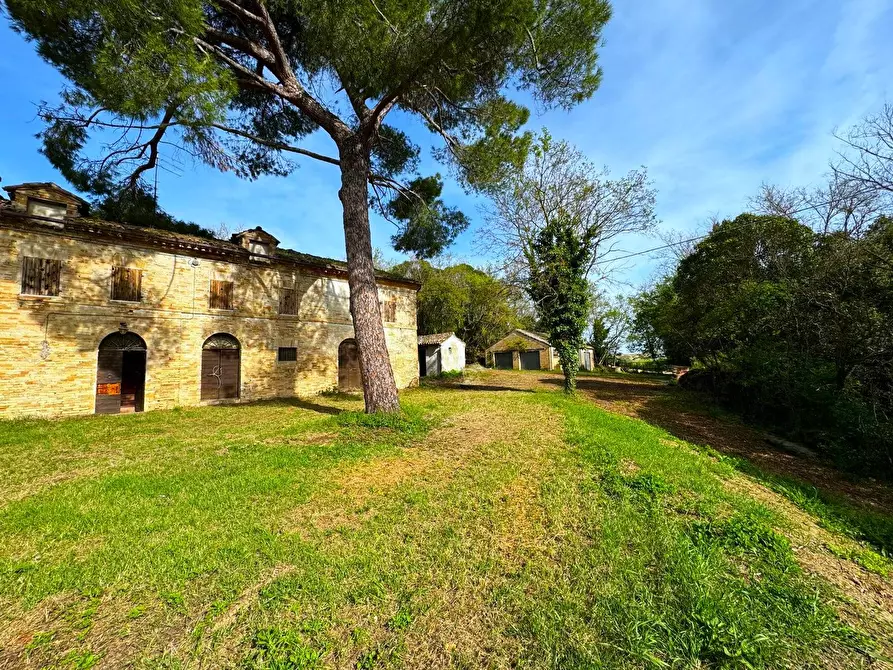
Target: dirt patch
point(432, 463)
point(460, 625)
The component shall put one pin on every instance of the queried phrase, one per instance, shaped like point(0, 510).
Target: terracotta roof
point(45, 185)
point(186, 243)
point(254, 233)
point(534, 336)
point(438, 338)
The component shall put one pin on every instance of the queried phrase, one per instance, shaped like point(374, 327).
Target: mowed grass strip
point(485, 529)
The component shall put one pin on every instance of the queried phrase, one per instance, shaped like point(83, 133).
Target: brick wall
point(174, 319)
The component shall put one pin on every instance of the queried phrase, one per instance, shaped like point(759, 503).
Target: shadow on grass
point(488, 387)
point(861, 508)
point(300, 403)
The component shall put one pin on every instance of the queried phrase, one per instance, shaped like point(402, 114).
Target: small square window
point(288, 354)
point(48, 210)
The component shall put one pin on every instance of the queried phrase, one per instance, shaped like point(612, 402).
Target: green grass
point(550, 534)
point(696, 574)
point(872, 529)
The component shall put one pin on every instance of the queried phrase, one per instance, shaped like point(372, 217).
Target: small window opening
point(288, 354)
point(127, 284)
point(49, 210)
point(41, 276)
point(221, 294)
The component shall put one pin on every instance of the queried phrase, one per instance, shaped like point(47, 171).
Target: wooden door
point(108, 381)
point(220, 374)
point(120, 373)
point(210, 374)
point(230, 360)
point(221, 362)
point(349, 375)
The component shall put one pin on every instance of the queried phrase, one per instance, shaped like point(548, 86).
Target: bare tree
point(867, 157)
point(841, 205)
point(559, 181)
point(611, 321)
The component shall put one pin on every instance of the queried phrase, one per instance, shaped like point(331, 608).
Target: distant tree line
point(476, 305)
point(787, 313)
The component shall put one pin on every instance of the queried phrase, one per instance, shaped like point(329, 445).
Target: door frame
point(232, 344)
point(121, 341)
point(359, 386)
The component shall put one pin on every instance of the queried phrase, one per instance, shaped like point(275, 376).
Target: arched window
point(349, 377)
point(121, 373)
point(221, 363)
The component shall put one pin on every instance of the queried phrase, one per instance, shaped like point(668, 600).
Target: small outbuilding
point(441, 352)
point(526, 350)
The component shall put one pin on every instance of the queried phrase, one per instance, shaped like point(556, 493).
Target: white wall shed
point(442, 352)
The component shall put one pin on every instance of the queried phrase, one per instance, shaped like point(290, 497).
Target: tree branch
point(152, 145)
point(280, 146)
point(243, 45)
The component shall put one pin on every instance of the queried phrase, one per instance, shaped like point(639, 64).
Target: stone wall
point(517, 341)
point(48, 345)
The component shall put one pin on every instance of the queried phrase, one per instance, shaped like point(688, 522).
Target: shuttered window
point(389, 310)
point(288, 301)
point(221, 294)
point(288, 354)
point(127, 284)
point(41, 276)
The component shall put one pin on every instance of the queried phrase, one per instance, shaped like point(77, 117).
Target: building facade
point(524, 350)
point(103, 317)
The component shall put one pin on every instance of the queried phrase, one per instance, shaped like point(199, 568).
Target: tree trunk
point(379, 387)
point(569, 356)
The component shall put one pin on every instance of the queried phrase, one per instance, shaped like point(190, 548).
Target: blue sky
point(713, 97)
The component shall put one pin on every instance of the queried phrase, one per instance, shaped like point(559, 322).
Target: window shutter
point(221, 294)
point(389, 310)
point(41, 276)
point(288, 301)
point(127, 284)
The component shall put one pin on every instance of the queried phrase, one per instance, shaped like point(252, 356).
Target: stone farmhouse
point(525, 350)
point(102, 317)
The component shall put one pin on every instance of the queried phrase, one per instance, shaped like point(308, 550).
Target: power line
point(701, 237)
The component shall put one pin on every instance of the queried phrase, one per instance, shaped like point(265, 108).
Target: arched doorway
point(121, 374)
point(221, 362)
point(349, 376)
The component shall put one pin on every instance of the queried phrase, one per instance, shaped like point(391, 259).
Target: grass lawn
point(486, 529)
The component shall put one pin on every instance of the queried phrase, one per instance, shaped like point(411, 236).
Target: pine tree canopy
point(238, 84)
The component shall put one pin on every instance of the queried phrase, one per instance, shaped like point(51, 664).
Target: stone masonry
point(48, 344)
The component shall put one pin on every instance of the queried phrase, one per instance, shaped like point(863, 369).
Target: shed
point(527, 350)
point(441, 352)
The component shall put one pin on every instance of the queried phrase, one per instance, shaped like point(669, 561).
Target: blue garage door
point(503, 361)
point(530, 360)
